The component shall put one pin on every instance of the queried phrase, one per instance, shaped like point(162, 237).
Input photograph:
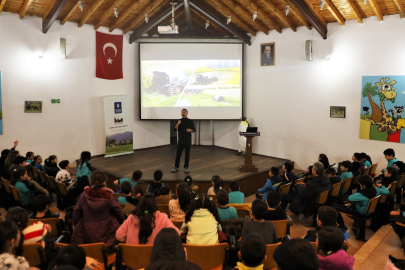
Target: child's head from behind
point(288, 166)
point(345, 166)
point(85, 156)
point(222, 197)
point(126, 188)
point(330, 240)
point(71, 255)
point(201, 201)
point(234, 186)
point(140, 188)
point(9, 236)
point(145, 211)
point(322, 157)
point(366, 181)
point(158, 175)
point(273, 199)
point(327, 216)
point(274, 171)
point(41, 203)
point(259, 209)
point(162, 191)
point(331, 172)
point(253, 250)
point(215, 178)
point(98, 179)
point(136, 175)
point(189, 180)
point(219, 184)
point(389, 154)
point(183, 195)
point(356, 166)
point(296, 254)
point(19, 216)
point(64, 164)
point(390, 172)
point(19, 160)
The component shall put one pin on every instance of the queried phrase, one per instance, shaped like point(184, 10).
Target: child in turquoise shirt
point(84, 168)
point(136, 176)
point(225, 212)
point(389, 155)
point(346, 167)
point(20, 177)
point(235, 196)
point(366, 160)
point(126, 190)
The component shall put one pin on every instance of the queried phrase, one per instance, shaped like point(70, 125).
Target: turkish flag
point(109, 56)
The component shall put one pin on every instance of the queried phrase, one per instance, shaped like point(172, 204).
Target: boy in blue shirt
point(126, 190)
point(152, 187)
point(235, 196)
point(346, 167)
point(225, 212)
point(366, 160)
point(136, 175)
point(272, 183)
point(389, 155)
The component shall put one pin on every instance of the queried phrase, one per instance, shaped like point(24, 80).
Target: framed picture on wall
point(267, 54)
point(33, 107)
point(337, 112)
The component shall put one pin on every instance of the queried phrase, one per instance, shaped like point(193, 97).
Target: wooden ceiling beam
point(397, 4)
point(212, 27)
point(122, 17)
point(215, 16)
point(262, 16)
point(376, 9)
point(188, 17)
point(70, 13)
point(90, 12)
point(335, 12)
point(278, 13)
point(24, 8)
point(108, 13)
point(308, 12)
point(298, 14)
point(244, 15)
point(355, 11)
point(234, 17)
point(2, 3)
point(141, 16)
point(53, 14)
point(320, 17)
point(49, 9)
point(153, 22)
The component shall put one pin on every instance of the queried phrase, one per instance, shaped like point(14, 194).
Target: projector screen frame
point(191, 42)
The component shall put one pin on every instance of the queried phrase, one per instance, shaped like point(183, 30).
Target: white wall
point(77, 123)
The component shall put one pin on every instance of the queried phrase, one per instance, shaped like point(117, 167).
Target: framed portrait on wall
point(337, 112)
point(33, 107)
point(267, 54)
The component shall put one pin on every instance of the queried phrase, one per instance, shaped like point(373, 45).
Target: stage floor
point(205, 161)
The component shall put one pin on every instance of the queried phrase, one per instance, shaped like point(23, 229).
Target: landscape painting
point(119, 143)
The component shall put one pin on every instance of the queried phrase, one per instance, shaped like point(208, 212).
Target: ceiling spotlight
point(287, 10)
point(81, 5)
point(207, 23)
point(322, 4)
point(254, 16)
point(116, 12)
point(228, 21)
point(146, 18)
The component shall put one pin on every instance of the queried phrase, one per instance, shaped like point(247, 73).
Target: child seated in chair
point(63, 176)
point(288, 176)
point(275, 211)
point(272, 183)
point(41, 206)
point(346, 167)
point(225, 211)
point(333, 178)
point(158, 176)
point(390, 175)
point(235, 196)
point(136, 176)
point(126, 189)
point(366, 160)
point(252, 253)
point(389, 155)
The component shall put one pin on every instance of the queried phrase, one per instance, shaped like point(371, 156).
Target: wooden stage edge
point(205, 161)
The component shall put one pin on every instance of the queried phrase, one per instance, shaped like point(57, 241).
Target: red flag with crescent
point(109, 56)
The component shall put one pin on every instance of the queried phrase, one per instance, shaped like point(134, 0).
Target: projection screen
point(204, 78)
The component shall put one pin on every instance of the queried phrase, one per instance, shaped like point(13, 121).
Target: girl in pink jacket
point(330, 253)
point(144, 224)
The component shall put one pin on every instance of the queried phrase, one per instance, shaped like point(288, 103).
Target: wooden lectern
point(248, 166)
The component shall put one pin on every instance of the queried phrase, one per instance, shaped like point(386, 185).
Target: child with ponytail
point(37, 163)
point(84, 167)
point(51, 166)
point(9, 241)
point(144, 224)
point(179, 206)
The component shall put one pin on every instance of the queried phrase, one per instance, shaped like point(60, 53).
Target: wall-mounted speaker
point(63, 48)
point(308, 50)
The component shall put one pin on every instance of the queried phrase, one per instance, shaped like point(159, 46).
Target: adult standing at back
point(184, 127)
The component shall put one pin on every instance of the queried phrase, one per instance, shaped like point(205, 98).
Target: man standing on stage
point(184, 127)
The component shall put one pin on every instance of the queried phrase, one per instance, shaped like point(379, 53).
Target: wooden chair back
point(217, 254)
point(285, 189)
point(346, 183)
point(373, 168)
point(35, 173)
point(52, 183)
point(164, 208)
point(400, 224)
point(34, 254)
point(281, 227)
point(300, 180)
point(178, 223)
point(393, 188)
point(367, 171)
point(61, 188)
point(96, 251)
point(44, 177)
point(242, 213)
point(372, 205)
point(322, 197)
point(335, 189)
point(53, 222)
point(401, 182)
point(6, 185)
point(269, 263)
point(122, 205)
point(16, 194)
point(142, 258)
